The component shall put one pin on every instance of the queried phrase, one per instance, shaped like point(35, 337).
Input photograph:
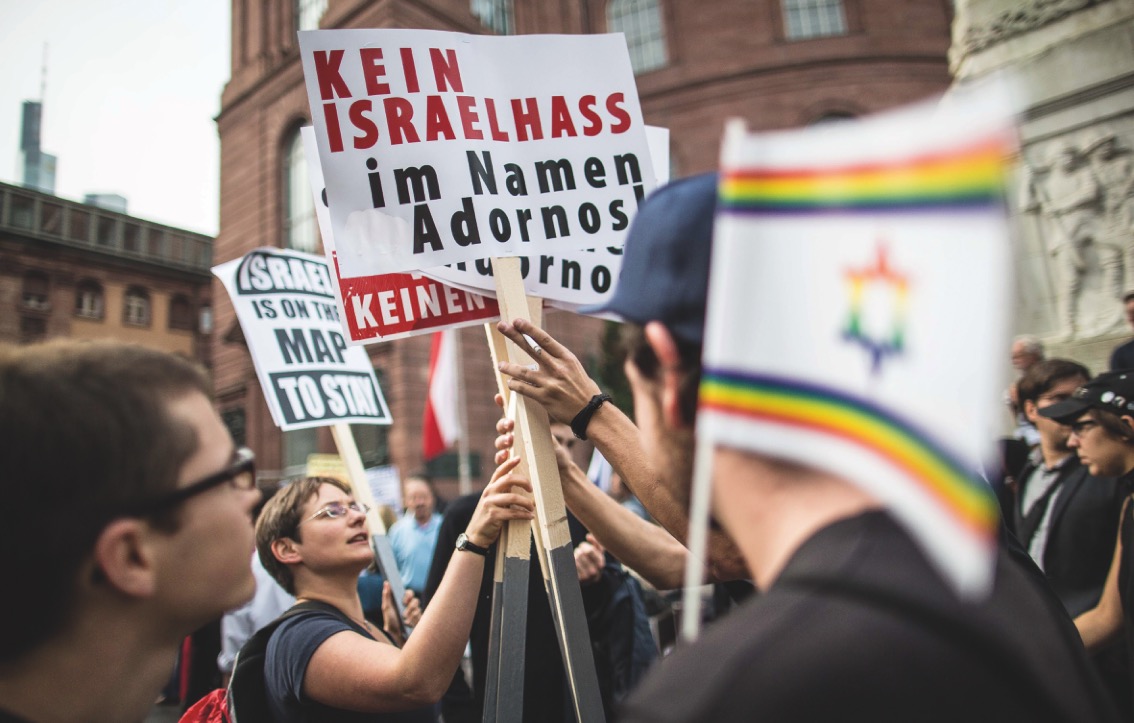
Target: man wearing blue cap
point(853, 622)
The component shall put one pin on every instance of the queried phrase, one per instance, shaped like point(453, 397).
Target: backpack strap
point(255, 649)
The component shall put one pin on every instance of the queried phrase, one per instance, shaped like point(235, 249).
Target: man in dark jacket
point(1065, 517)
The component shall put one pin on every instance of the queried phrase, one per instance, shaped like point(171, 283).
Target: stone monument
point(1073, 207)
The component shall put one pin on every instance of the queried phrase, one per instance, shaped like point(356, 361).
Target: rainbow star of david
point(861, 283)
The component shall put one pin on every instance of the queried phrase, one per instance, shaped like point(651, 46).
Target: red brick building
point(776, 63)
point(69, 269)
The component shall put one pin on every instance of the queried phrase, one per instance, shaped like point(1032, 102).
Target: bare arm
point(563, 387)
point(617, 439)
point(1103, 623)
point(350, 671)
point(642, 546)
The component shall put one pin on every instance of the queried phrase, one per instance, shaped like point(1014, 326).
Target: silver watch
point(464, 544)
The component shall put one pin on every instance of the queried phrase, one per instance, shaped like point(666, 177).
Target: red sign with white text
point(391, 306)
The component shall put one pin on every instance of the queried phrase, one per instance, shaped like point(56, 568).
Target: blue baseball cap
point(665, 262)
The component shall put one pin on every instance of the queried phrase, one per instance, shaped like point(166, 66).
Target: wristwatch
point(464, 544)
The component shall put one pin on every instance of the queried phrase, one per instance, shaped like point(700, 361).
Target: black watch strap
point(464, 544)
point(583, 418)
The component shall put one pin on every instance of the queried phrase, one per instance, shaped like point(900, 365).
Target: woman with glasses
point(331, 664)
point(1100, 415)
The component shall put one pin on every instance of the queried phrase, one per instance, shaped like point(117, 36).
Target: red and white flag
point(441, 425)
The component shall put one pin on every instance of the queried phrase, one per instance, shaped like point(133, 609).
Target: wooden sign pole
point(534, 432)
point(379, 542)
point(504, 686)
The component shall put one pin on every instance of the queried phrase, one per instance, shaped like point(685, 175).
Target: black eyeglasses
point(241, 474)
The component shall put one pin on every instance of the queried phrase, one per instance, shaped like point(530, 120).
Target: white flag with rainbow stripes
point(858, 312)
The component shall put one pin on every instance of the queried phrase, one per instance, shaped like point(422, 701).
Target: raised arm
point(350, 671)
point(642, 546)
point(563, 388)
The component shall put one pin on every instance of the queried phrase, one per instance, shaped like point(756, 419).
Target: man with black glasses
point(127, 526)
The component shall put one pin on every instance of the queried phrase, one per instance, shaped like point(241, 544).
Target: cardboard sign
point(441, 147)
point(311, 376)
point(384, 307)
point(838, 335)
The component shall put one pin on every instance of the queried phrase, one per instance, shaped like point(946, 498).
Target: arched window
point(813, 18)
point(300, 227)
point(88, 299)
point(136, 308)
point(641, 22)
point(180, 313)
point(35, 291)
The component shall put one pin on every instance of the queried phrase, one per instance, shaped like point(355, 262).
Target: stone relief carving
point(1082, 190)
point(1017, 19)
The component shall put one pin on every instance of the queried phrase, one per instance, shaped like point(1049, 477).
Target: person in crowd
point(616, 621)
point(1123, 355)
point(1066, 517)
point(129, 524)
point(1027, 351)
point(331, 664)
point(414, 535)
point(1100, 415)
point(851, 620)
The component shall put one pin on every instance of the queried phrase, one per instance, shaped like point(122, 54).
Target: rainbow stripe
point(972, 177)
point(831, 413)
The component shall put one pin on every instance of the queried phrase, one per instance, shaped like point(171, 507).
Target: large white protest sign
point(859, 293)
point(311, 377)
point(384, 307)
point(439, 148)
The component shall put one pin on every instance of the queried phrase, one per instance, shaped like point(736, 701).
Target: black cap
point(665, 263)
point(1110, 391)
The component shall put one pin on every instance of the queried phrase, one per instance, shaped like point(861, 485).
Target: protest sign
point(327, 465)
point(570, 279)
point(441, 147)
point(385, 486)
point(310, 375)
point(384, 307)
point(838, 335)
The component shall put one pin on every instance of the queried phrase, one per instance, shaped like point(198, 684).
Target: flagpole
point(464, 477)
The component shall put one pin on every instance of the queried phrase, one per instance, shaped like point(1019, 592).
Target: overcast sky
point(132, 90)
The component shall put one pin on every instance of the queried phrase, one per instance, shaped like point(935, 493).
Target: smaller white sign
point(311, 376)
point(386, 486)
